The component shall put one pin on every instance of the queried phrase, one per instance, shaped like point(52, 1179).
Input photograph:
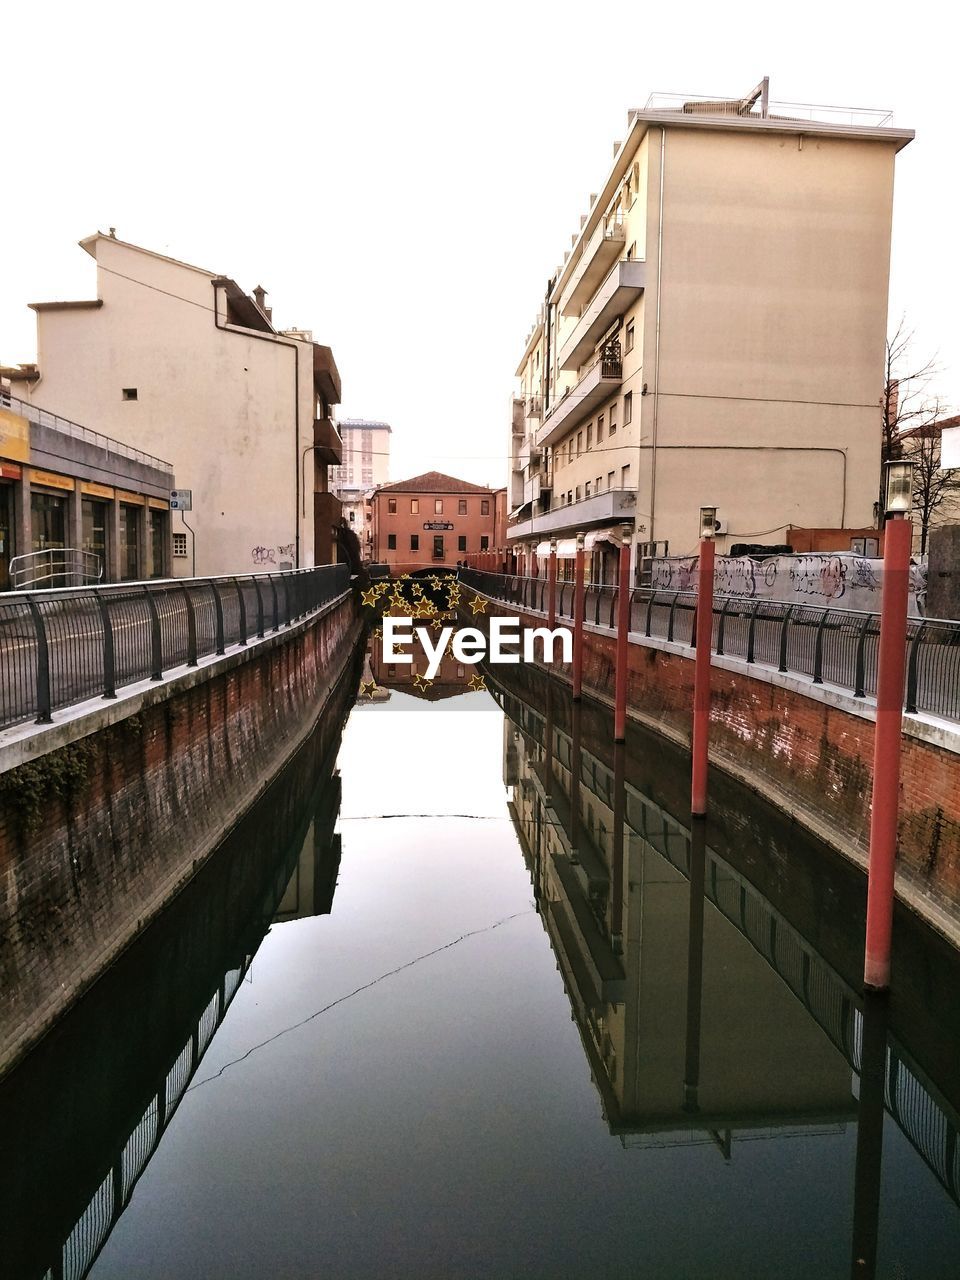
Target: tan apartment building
point(177, 360)
point(714, 336)
point(431, 521)
point(364, 466)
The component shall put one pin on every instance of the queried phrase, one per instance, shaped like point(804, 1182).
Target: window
point(632, 252)
point(628, 343)
point(484, 506)
point(579, 443)
point(414, 506)
point(578, 493)
point(613, 420)
point(569, 496)
point(462, 542)
point(599, 485)
point(353, 517)
point(179, 546)
point(599, 428)
point(438, 547)
point(438, 506)
point(392, 506)
point(129, 393)
point(625, 477)
point(610, 475)
point(391, 542)
point(461, 506)
point(589, 436)
point(484, 542)
point(628, 408)
point(414, 542)
point(586, 490)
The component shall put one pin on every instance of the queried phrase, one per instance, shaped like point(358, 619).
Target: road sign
point(181, 499)
point(438, 524)
point(949, 448)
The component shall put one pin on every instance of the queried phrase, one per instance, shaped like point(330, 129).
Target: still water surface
point(441, 1078)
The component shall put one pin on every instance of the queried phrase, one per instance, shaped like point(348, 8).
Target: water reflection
point(84, 1114)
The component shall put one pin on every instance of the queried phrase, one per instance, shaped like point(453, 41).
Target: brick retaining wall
point(98, 834)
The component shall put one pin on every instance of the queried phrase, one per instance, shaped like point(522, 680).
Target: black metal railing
point(60, 647)
point(830, 646)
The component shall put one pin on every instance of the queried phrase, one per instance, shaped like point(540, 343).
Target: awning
point(567, 547)
point(520, 511)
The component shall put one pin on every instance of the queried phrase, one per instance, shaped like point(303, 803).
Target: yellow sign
point(130, 497)
point(50, 479)
point(158, 504)
point(14, 436)
point(94, 490)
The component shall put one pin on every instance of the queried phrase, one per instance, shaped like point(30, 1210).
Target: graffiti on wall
point(840, 580)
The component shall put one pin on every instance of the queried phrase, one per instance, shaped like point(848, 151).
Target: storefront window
point(129, 542)
point(6, 534)
point(94, 516)
point(158, 541)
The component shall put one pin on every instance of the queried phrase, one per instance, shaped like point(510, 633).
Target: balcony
point(618, 291)
point(533, 407)
point(328, 446)
point(599, 253)
point(615, 506)
point(326, 375)
point(530, 451)
point(517, 422)
point(579, 402)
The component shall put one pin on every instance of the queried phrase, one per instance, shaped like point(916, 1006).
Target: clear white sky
point(403, 178)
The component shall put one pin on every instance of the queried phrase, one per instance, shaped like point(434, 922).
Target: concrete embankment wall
point(107, 813)
point(807, 748)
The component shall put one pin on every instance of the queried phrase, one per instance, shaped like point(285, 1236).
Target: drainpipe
point(656, 358)
point(292, 346)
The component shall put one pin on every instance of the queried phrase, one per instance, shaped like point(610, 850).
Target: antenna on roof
point(761, 92)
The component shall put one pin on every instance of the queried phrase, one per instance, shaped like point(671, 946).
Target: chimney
point(260, 297)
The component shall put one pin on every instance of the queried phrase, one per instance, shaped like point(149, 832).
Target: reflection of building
point(171, 358)
point(431, 520)
point(618, 916)
point(80, 507)
point(313, 882)
point(715, 334)
point(452, 678)
point(365, 465)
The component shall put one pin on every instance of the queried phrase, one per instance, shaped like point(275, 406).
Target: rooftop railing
point(710, 104)
point(73, 429)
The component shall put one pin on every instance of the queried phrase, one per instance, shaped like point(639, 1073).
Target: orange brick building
point(432, 521)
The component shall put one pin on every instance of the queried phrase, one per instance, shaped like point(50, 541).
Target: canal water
point(436, 1040)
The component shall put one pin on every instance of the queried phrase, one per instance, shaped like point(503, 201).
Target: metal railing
point(56, 567)
point(60, 647)
point(73, 429)
point(829, 646)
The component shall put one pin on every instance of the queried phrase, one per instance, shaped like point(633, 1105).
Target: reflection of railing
point(59, 647)
point(929, 1123)
point(83, 1245)
point(55, 567)
point(833, 646)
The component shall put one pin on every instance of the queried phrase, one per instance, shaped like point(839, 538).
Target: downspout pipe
point(276, 341)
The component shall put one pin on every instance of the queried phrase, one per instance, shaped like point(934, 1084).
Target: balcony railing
point(73, 429)
point(603, 376)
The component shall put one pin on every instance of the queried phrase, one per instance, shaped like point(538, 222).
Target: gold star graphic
point(367, 687)
point(404, 577)
point(437, 624)
point(453, 597)
point(477, 683)
point(424, 610)
point(478, 604)
point(378, 633)
point(370, 597)
point(422, 682)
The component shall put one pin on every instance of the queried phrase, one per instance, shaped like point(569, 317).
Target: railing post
point(218, 619)
point(287, 585)
point(256, 584)
point(109, 653)
point(43, 665)
point(552, 586)
point(276, 602)
point(818, 649)
point(721, 626)
point(243, 611)
point(673, 606)
point(701, 679)
point(751, 630)
point(912, 667)
point(784, 628)
point(860, 668)
point(623, 651)
point(191, 628)
point(650, 604)
point(156, 639)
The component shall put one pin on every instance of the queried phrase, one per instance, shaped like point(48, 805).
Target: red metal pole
point(578, 618)
point(552, 585)
point(623, 630)
point(701, 679)
point(891, 663)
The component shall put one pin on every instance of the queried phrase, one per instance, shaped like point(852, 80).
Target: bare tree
point(933, 488)
point(904, 401)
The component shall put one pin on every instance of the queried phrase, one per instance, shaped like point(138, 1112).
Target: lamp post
point(701, 677)
point(891, 663)
point(578, 610)
point(623, 630)
point(552, 585)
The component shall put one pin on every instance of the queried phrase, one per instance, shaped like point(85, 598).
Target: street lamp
point(708, 522)
point(700, 745)
point(898, 488)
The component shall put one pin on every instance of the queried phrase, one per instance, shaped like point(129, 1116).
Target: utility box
point(943, 573)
